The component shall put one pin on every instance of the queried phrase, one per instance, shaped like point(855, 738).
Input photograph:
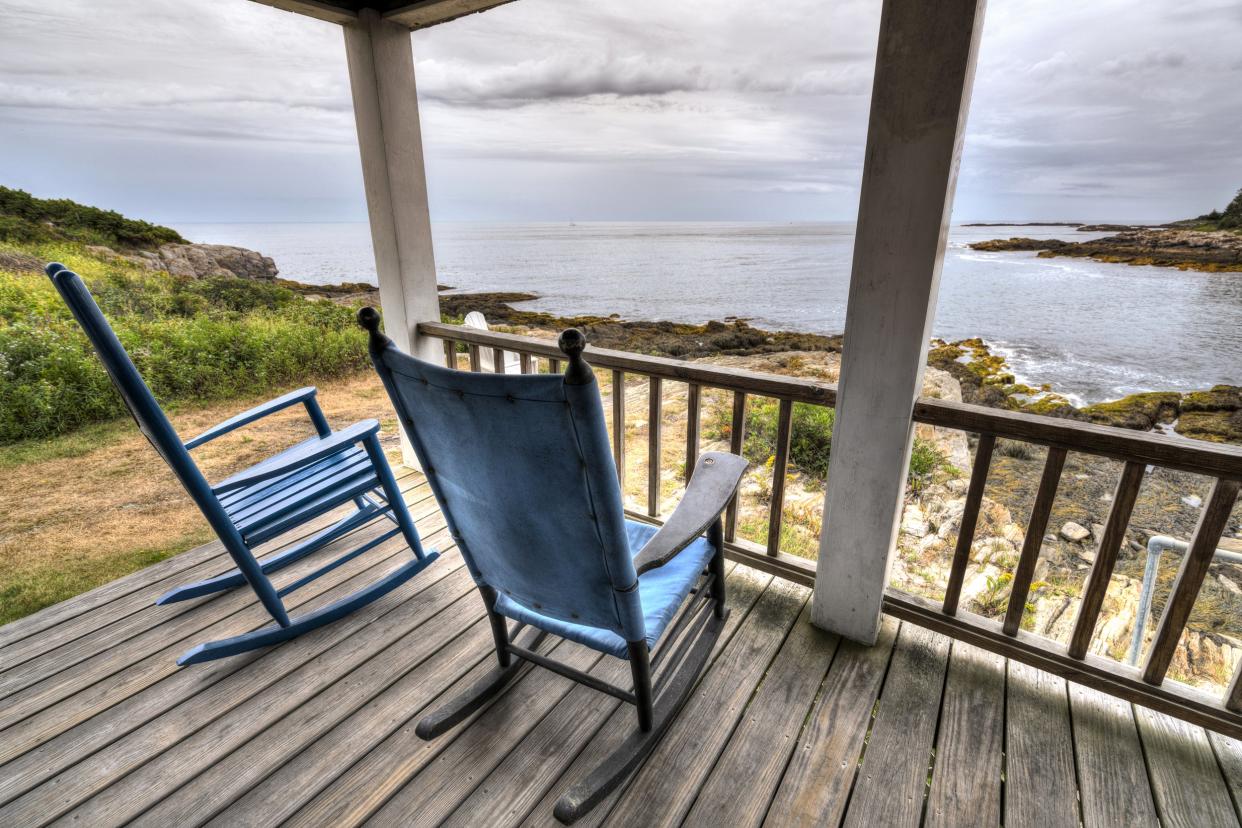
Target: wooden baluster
point(476, 363)
point(693, 393)
point(1106, 558)
point(1035, 529)
point(554, 366)
point(524, 362)
point(784, 429)
point(1194, 569)
point(737, 436)
point(450, 353)
point(654, 427)
point(618, 426)
point(970, 518)
point(498, 361)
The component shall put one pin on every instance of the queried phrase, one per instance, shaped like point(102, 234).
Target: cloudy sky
point(226, 110)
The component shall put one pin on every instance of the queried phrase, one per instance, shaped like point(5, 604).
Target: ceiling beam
point(314, 8)
point(426, 13)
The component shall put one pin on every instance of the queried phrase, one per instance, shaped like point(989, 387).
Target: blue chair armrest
point(715, 479)
point(302, 395)
point(303, 454)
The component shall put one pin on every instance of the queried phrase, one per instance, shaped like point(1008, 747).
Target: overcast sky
point(226, 110)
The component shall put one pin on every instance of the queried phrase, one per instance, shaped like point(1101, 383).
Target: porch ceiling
point(417, 15)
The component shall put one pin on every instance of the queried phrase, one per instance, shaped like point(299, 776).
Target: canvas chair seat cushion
point(661, 591)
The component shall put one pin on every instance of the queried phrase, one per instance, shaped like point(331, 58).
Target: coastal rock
point(1206, 250)
point(1074, 532)
point(1018, 243)
point(20, 262)
point(1137, 411)
point(202, 260)
point(1212, 415)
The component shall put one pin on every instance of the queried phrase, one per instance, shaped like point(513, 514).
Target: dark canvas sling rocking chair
point(268, 499)
point(523, 472)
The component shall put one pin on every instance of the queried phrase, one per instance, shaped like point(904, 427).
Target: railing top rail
point(1183, 454)
point(1198, 457)
point(714, 376)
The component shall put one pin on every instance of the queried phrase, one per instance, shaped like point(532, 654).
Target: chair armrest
point(302, 395)
point(301, 455)
point(715, 479)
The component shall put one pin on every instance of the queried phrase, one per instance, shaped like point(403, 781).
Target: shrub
point(1232, 216)
point(191, 340)
point(24, 218)
point(810, 444)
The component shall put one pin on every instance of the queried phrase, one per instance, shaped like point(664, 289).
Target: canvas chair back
point(134, 392)
point(524, 475)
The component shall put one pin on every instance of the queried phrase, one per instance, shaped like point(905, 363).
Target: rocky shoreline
point(1209, 251)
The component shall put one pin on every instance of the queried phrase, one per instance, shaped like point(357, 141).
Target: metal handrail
point(1156, 545)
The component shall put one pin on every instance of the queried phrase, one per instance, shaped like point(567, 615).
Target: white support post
point(924, 70)
point(381, 77)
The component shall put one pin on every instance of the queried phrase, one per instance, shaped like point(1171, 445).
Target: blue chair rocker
point(523, 472)
point(268, 499)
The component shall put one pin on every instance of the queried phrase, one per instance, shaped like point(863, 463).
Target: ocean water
point(1092, 330)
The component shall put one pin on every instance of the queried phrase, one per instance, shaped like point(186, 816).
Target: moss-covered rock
point(1217, 426)
point(1138, 411)
point(1220, 398)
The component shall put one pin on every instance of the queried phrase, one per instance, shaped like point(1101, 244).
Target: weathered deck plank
point(1040, 786)
point(893, 778)
point(173, 709)
point(664, 788)
point(1111, 771)
point(113, 677)
point(746, 588)
point(517, 784)
point(762, 744)
point(124, 616)
point(816, 786)
point(319, 731)
point(966, 780)
point(1186, 780)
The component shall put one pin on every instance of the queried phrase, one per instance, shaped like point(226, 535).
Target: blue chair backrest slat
point(523, 471)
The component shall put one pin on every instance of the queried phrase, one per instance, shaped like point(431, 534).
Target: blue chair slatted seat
point(283, 492)
point(523, 472)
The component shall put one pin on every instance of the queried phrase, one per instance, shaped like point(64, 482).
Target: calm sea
point(1094, 331)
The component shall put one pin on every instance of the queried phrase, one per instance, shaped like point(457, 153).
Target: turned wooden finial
point(369, 320)
point(572, 342)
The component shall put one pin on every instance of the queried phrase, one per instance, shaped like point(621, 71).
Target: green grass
point(73, 577)
point(192, 339)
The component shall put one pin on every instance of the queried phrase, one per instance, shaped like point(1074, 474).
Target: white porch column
point(381, 77)
point(924, 71)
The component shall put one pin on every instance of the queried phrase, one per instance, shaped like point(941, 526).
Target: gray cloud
point(226, 109)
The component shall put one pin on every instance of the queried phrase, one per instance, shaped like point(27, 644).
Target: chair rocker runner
point(523, 472)
point(268, 499)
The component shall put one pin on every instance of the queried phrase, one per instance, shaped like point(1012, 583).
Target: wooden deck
point(789, 727)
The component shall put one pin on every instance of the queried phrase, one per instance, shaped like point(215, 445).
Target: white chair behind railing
point(513, 364)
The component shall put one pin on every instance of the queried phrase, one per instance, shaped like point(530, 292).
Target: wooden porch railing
point(1145, 684)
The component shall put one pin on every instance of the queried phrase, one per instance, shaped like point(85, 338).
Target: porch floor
point(789, 726)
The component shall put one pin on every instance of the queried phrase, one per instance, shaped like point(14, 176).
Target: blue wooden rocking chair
point(268, 499)
point(522, 470)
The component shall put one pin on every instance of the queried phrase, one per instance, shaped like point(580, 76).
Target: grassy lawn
point(87, 507)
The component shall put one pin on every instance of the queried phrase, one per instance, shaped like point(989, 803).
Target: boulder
point(20, 262)
point(198, 261)
point(1074, 532)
